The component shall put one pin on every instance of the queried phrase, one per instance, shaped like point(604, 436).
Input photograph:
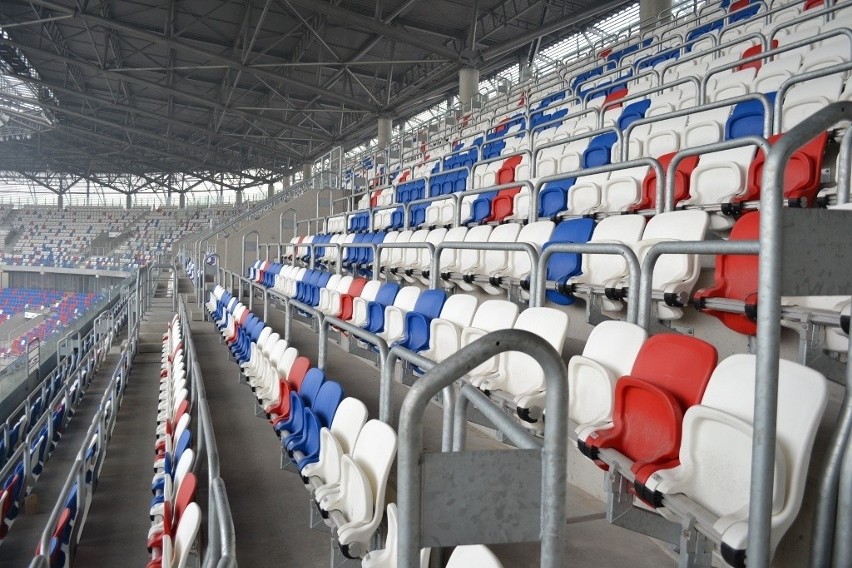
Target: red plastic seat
point(346, 299)
point(503, 203)
point(681, 188)
point(293, 382)
point(801, 177)
point(755, 50)
point(736, 278)
point(669, 375)
point(813, 4)
point(616, 95)
point(185, 496)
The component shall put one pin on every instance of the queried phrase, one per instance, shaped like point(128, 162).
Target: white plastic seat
point(495, 261)
point(471, 555)
point(338, 440)
point(394, 257)
point(674, 274)
point(360, 494)
point(517, 374)
point(387, 557)
point(411, 256)
point(607, 270)
point(518, 263)
point(585, 195)
point(468, 260)
point(445, 330)
point(726, 86)
point(706, 127)
point(424, 257)
point(440, 212)
point(359, 304)
point(491, 315)
point(609, 353)
point(804, 99)
point(448, 256)
point(187, 531)
point(394, 322)
point(771, 75)
point(327, 303)
point(622, 189)
point(715, 452)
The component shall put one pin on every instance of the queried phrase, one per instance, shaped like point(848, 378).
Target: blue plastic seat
point(564, 265)
point(599, 152)
point(318, 416)
point(376, 309)
point(480, 209)
point(427, 308)
point(747, 119)
point(418, 215)
point(306, 396)
point(554, 197)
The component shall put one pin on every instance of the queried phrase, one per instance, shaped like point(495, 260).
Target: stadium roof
point(174, 86)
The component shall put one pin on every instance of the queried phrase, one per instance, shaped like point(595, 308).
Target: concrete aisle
point(117, 527)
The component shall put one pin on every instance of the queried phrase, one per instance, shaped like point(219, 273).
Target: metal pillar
point(270, 191)
point(650, 13)
point(468, 85)
point(182, 200)
point(239, 198)
point(385, 131)
point(129, 201)
point(307, 171)
point(60, 201)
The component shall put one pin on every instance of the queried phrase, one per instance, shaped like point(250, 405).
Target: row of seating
point(344, 458)
point(663, 412)
point(606, 82)
point(175, 516)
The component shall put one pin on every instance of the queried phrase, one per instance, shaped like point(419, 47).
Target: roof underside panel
point(141, 86)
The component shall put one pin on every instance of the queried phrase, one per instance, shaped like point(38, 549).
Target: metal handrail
point(219, 518)
point(768, 353)
point(553, 454)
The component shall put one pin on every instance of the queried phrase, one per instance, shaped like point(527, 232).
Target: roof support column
point(287, 181)
point(129, 201)
point(60, 201)
point(650, 10)
point(385, 131)
point(468, 85)
point(270, 191)
point(307, 171)
point(182, 200)
point(238, 199)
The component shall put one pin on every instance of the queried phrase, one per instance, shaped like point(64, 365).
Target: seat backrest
point(477, 555)
point(454, 235)
point(344, 285)
point(613, 345)
point(495, 314)
point(185, 494)
point(430, 302)
point(679, 364)
point(374, 452)
point(459, 309)
point(314, 379)
point(561, 265)
point(284, 363)
point(494, 260)
point(736, 276)
point(523, 373)
point(328, 399)
point(187, 530)
point(470, 257)
point(369, 289)
point(297, 373)
point(388, 293)
point(350, 417)
point(626, 229)
point(356, 288)
point(802, 397)
point(537, 234)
